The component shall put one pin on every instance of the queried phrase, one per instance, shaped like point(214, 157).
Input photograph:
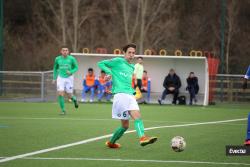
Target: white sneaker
point(91, 101)
point(83, 100)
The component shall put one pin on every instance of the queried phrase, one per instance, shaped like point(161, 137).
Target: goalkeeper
point(64, 67)
point(124, 103)
point(247, 76)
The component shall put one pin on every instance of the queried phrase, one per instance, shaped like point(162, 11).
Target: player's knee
point(60, 93)
point(126, 126)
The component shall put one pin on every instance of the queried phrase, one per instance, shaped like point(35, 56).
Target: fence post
point(42, 86)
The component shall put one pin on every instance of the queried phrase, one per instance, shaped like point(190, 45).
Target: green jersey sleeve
point(74, 66)
point(55, 69)
point(105, 65)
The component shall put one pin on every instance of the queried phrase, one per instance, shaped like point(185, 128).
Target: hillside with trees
point(34, 30)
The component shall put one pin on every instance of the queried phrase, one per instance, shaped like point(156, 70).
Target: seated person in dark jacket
point(192, 87)
point(171, 83)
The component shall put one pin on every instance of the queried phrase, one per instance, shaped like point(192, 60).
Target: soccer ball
point(178, 144)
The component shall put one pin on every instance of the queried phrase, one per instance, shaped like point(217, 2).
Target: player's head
point(64, 50)
point(103, 73)
point(90, 71)
point(191, 74)
point(145, 73)
point(140, 60)
point(171, 72)
point(129, 51)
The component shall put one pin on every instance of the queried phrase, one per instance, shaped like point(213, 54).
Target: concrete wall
point(157, 67)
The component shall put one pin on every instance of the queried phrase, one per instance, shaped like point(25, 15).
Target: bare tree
point(138, 16)
point(232, 9)
point(66, 22)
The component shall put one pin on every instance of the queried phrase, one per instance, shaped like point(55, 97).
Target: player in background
point(104, 87)
point(138, 72)
point(125, 106)
point(246, 77)
point(89, 84)
point(145, 78)
point(65, 66)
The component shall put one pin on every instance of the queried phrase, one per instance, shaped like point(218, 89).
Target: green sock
point(117, 134)
point(139, 127)
point(61, 103)
point(73, 98)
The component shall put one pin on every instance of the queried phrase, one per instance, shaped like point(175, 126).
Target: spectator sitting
point(89, 84)
point(104, 87)
point(144, 87)
point(171, 83)
point(192, 87)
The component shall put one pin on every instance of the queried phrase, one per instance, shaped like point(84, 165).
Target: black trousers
point(191, 91)
point(166, 92)
point(139, 83)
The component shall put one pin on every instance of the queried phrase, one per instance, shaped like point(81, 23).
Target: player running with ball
point(125, 106)
point(64, 67)
point(247, 76)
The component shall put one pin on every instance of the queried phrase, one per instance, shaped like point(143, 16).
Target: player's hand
point(171, 88)
point(53, 81)
point(135, 81)
point(68, 72)
point(107, 77)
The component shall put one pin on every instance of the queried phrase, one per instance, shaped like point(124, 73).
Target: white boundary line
point(107, 136)
point(139, 160)
point(91, 119)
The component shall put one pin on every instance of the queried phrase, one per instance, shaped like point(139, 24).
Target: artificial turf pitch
point(29, 127)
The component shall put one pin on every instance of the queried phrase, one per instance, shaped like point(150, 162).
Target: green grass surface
point(28, 127)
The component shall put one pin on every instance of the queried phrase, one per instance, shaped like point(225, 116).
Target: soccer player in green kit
point(64, 67)
point(125, 106)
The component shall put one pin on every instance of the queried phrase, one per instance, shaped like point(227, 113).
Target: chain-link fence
point(37, 86)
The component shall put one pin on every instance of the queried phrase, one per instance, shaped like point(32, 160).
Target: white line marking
point(141, 160)
point(91, 119)
point(135, 160)
point(107, 136)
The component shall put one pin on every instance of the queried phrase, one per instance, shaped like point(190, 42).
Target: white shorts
point(65, 84)
point(122, 103)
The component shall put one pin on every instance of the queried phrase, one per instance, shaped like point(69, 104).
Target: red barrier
point(213, 65)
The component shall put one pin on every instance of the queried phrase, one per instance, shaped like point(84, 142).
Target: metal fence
point(228, 88)
point(37, 86)
point(26, 86)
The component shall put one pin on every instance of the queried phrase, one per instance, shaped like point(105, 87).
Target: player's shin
point(139, 127)
point(248, 128)
point(61, 103)
point(73, 98)
point(117, 134)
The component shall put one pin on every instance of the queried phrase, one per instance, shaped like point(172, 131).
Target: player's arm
point(106, 65)
point(246, 77)
point(55, 70)
point(75, 66)
point(244, 85)
point(165, 83)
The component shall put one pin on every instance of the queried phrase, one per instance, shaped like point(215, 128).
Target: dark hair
point(171, 70)
point(191, 73)
point(90, 69)
point(103, 71)
point(140, 58)
point(145, 71)
point(130, 45)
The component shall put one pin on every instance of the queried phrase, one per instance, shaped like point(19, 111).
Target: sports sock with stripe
point(139, 127)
